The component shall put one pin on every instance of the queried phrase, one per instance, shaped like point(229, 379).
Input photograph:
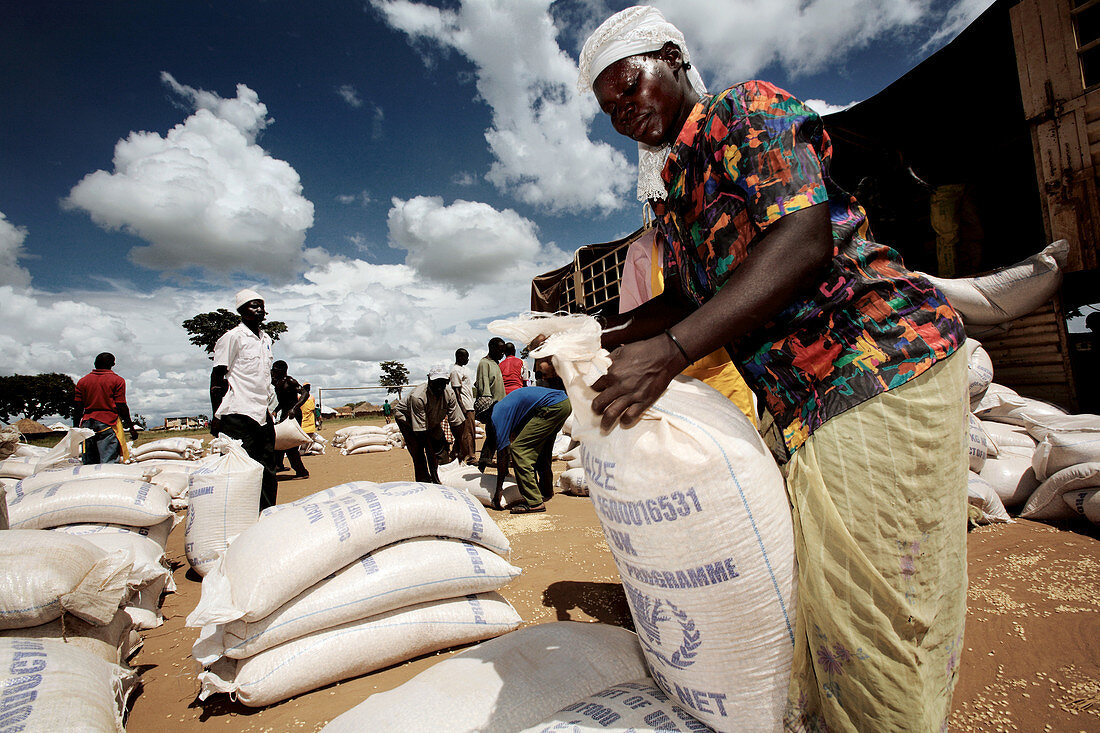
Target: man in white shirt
point(420, 414)
point(240, 389)
point(462, 382)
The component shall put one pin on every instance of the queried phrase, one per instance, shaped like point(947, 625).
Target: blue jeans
point(102, 447)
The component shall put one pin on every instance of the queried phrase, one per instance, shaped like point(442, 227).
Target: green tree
point(35, 396)
point(207, 328)
point(394, 376)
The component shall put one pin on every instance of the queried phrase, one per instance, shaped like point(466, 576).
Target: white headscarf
point(636, 30)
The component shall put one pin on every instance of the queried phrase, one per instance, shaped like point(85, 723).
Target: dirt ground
point(1031, 661)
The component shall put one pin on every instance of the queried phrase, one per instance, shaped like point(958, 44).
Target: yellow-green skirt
point(878, 496)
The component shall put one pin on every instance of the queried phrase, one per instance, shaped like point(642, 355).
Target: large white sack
point(479, 485)
point(146, 557)
point(366, 449)
point(113, 500)
point(289, 434)
point(1011, 476)
point(29, 460)
point(981, 494)
point(362, 646)
point(979, 368)
point(1000, 435)
point(323, 495)
point(174, 445)
point(1007, 293)
point(360, 439)
point(637, 706)
point(403, 574)
point(1046, 501)
point(52, 476)
point(43, 574)
point(111, 642)
point(573, 482)
point(1005, 406)
point(164, 455)
point(1057, 451)
point(157, 532)
point(286, 552)
point(143, 606)
point(503, 685)
point(223, 499)
point(51, 686)
point(695, 511)
point(979, 446)
point(1084, 501)
point(1040, 427)
point(562, 443)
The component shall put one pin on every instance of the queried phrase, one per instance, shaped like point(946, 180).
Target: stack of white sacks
point(1025, 454)
point(25, 459)
point(168, 449)
point(346, 581)
point(567, 448)
point(315, 446)
point(64, 640)
point(358, 439)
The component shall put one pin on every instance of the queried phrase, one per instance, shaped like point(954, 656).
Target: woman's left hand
point(639, 374)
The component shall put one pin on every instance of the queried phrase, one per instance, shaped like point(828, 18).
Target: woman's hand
point(640, 372)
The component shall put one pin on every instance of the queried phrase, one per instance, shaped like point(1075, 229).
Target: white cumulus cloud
point(467, 244)
point(539, 134)
point(205, 194)
point(11, 250)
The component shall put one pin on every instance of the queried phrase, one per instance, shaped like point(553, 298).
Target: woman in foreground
point(852, 353)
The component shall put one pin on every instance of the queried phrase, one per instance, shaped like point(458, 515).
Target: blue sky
point(390, 174)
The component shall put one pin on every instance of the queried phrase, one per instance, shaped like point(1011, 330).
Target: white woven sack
point(110, 642)
point(1084, 501)
point(1007, 293)
point(1003, 405)
point(51, 686)
point(28, 460)
point(403, 574)
point(1011, 476)
point(366, 449)
point(695, 512)
point(1040, 427)
point(289, 434)
point(638, 706)
point(562, 444)
point(113, 500)
point(146, 556)
point(316, 498)
point(164, 455)
point(573, 482)
point(503, 685)
point(359, 440)
point(982, 495)
point(979, 368)
point(362, 646)
point(1057, 451)
point(157, 532)
point(52, 476)
point(173, 445)
point(286, 552)
point(223, 499)
point(479, 485)
point(1046, 501)
point(143, 606)
point(43, 574)
point(998, 435)
point(979, 446)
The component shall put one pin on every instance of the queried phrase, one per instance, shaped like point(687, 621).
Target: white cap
point(245, 296)
point(439, 371)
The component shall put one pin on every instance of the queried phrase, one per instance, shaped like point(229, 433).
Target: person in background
point(100, 405)
point(316, 412)
point(854, 355)
point(463, 385)
point(420, 414)
point(488, 390)
point(387, 411)
point(525, 424)
point(291, 398)
point(511, 369)
point(241, 389)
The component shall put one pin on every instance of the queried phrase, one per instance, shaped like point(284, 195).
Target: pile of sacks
point(167, 449)
point(114, 507)
point(64, 641)
point(346, 581)
point(23, 459)
point(358, 439)
point(315, 446)
point(572, 481)
point(1029, 453)
point(562, 676)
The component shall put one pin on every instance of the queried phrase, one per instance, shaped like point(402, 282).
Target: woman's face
point(643, 98)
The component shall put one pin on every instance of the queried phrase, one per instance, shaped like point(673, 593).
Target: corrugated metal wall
point(1032, 357)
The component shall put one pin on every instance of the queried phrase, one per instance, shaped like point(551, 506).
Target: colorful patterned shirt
point(745, 158)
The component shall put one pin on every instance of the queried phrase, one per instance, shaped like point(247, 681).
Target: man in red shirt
point(511, 368)
point(100, 403)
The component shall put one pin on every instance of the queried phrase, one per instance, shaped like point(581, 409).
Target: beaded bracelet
point(679, 346)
